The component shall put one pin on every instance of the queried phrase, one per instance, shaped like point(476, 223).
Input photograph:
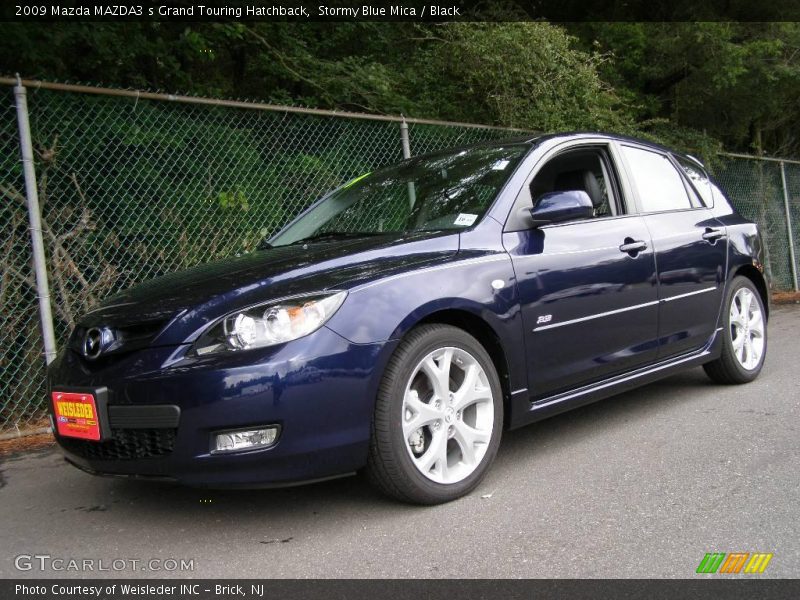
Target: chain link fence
point(132, 187)
point(756, 189)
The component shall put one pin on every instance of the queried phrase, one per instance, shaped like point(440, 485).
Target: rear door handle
point(633, 247)
point(711, 235)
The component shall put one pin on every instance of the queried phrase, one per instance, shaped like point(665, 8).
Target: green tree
point(735, 82)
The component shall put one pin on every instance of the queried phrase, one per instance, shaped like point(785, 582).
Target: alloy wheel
point(448, 415)
point(746, 328)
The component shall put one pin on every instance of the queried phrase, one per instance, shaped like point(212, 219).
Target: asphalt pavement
point(639, 485)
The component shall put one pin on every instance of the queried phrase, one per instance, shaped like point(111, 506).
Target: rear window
point(659, 184)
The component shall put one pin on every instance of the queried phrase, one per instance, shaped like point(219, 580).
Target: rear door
point(690, 244)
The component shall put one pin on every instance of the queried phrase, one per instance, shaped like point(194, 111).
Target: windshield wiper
point(338, 235)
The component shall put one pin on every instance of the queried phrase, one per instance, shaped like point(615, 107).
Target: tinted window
point(699, 180)
point(577, 170)
point(660, 185)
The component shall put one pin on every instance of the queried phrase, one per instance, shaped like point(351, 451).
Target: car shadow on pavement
point(603, 416)
point(555, 434)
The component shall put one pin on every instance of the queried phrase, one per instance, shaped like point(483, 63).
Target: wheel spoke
point(738, 341)
point(441, 463)
point(736, 314)
point(750, 354)
point(439, 373)
point(423, 414)
point(740, 352)
point(466, 446)
point(426, 461)
point(756, 324)
point(471, 390)
point(747, 299)
point(467, 438)
point(435, 457)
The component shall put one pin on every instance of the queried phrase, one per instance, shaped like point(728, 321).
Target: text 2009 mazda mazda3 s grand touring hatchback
point(405, 319)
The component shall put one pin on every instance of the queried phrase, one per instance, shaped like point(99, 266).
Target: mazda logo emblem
point(93, 343)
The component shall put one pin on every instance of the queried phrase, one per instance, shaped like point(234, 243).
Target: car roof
point(539, 138)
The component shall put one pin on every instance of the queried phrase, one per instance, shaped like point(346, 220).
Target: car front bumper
point(319, 389)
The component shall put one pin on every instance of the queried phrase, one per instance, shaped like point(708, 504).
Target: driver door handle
point(633, 247)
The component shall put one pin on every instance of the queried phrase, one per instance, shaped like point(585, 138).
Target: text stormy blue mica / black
point(405, 319)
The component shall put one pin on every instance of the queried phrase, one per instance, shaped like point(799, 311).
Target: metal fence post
point(404, 139)
point(789, 225)
point(412, 192)
point(35, 221)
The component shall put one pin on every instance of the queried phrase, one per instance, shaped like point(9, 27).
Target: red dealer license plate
point(76, 415)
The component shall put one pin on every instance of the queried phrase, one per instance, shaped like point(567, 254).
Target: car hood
point(189, 299)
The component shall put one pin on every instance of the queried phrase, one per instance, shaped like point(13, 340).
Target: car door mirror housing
point(557, 207)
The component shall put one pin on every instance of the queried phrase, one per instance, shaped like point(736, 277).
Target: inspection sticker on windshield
point(500, 165)
point(465, 219)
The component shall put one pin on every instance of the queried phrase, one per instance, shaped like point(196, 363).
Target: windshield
point(437, 192)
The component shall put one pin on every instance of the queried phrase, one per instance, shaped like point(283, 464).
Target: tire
point(740, 361)
point(424, 450)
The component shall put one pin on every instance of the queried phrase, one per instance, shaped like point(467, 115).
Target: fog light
point(246, 439)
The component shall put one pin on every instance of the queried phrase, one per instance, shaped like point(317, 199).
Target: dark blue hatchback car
point(404, 320)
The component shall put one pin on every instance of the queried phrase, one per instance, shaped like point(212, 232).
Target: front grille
point(123, 338)
point(126, 444)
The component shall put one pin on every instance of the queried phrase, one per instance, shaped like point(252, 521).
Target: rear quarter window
point(659, 184)
point(699, 179)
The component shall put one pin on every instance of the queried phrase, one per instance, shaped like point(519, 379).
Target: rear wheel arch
point(744, 338)
point(758, 280)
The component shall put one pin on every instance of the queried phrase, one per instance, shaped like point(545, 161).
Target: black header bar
point(65, 11)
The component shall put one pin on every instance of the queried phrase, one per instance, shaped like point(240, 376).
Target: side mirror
point(556, 207)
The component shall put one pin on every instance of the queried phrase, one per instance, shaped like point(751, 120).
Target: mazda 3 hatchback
point(407, 318)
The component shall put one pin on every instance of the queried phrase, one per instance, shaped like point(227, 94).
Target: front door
point(587, 288)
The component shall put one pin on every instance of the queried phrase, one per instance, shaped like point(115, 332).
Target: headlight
point(271, 323)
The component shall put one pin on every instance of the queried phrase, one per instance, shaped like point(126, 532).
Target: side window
point(584, 170)
point(699, 180)
point(660, 186)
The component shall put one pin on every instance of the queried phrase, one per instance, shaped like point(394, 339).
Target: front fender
point(387, 308)
point(479, 283)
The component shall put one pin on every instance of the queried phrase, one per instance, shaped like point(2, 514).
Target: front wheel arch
point(488, 338)
point(389, 466)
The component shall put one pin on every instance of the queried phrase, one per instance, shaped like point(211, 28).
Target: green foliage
point(233, 200)
point(737, 83)
point(523, 75)
point(694, 84)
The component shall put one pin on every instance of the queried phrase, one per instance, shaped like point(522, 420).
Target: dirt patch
point(786, 297)
point(26, 443)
